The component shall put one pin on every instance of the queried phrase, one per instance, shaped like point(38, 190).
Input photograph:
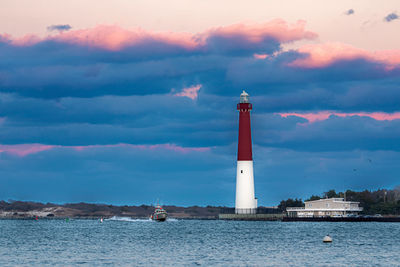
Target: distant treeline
point(104, 210)
point(381, 201)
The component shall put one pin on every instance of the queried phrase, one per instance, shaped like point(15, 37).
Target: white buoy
point(327, 239)
point(101, 220)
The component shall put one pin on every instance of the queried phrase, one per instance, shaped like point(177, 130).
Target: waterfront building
point(327, 207)
point(245, 203)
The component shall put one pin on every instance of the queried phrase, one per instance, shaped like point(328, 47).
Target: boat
point(159, 214)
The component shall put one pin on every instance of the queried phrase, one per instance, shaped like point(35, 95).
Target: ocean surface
point(129, 242)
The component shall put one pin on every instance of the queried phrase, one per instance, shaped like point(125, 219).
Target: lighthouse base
point(251, 217)
point(245, 211)
point(262, 214)
point(245, 202)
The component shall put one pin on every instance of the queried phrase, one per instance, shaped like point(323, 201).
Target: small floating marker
point(67, 219)
point(327, 239)
point(101, 219)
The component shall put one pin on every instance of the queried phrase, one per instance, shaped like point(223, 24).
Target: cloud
point(255, 33)
point(111, 60)
point(324, 115)
point(322, 55)
point(227, 39)
point(336, 133)
point(70, 93)
point(114, 38)
point(148, 64)
point(23, 150)
point(349, 12)
point(105, 121)
point(257, 38)
point(171, 147)
point(391, 16)
point(59, 27)
point(190, 92)
point(260, 56)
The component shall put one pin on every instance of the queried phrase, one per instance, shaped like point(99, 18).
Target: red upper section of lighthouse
point(244, 146)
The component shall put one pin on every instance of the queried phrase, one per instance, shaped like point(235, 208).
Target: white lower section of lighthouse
point(245, 203)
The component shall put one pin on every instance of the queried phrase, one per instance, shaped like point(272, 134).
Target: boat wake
point(127, 219)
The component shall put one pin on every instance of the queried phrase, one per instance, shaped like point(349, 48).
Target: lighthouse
point(246, 203)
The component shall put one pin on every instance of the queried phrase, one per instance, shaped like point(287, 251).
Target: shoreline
point(30, 210)
point(283, 219)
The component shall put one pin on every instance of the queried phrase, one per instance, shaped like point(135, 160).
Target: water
point(129, 242)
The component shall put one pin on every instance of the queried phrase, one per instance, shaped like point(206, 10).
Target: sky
point(127, 102)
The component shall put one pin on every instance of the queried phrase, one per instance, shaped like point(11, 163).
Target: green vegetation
point(382, 201)
point(290, 203)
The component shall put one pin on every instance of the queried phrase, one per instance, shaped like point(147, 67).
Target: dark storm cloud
point(390, 17)
point(75, 72)
point(59, 27)
point(220, 74)
point(151, 120)
point(134, 102)
point(95, 62)
point(348, 96)
point(338, 134)
point(238, 45)
point(276, 70)
point(222, 63)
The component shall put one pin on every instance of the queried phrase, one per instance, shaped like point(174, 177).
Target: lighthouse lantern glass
point(244, 97)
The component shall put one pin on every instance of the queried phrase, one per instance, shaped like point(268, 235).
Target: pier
point(251, 217)
point(258, 214)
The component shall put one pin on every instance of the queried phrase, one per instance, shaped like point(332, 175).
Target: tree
point(313, 197)
point(290, 203)
point(381, 201)
point(331, 193)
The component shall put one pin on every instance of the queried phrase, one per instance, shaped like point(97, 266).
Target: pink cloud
point(116, 38)
point(172, 147)
point(23, 150)
point(323, 115)
point(107, 37)
point(260, 56)
point(26, 40)
point(277, 29)
point(321, 55)
point(191, 92)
